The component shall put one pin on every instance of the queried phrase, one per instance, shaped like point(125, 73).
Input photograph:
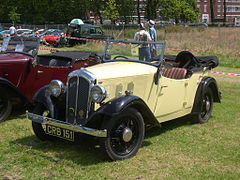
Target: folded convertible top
point(186, 57)
point(74, 55)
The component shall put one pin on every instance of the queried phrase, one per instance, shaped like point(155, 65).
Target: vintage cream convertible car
point(118, 99)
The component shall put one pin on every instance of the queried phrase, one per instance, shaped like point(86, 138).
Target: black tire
point(5, 107)
point(125, 134)
point(37, 127)
point(205, 108)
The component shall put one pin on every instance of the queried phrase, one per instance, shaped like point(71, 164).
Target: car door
point(171, 98)
point(96, 33)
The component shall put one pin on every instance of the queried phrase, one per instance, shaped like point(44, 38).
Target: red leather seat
point(175, 73)
point(173, 63)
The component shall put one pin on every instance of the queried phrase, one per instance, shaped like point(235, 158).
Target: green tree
point(125, 9)
point(151, 9)
point(111, 11)
point(96, 7)
point(138, 11)
point(13, 15)
point(179, 10)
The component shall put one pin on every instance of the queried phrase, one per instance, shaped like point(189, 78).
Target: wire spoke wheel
point(125, 134)
point(124, 137)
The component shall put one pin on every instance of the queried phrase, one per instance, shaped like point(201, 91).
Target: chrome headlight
point(98, 93)
point(56, 87)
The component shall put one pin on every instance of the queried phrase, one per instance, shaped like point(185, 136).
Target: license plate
point(60, 132)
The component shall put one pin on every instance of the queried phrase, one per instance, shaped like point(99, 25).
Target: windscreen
point(25, 44)
point(141, 51)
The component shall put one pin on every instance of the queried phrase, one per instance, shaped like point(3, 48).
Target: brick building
point(232, 8)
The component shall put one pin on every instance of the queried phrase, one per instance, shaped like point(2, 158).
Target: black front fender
point(117, 105)
point(43, 96)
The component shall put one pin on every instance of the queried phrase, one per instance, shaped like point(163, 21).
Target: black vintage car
point(87, 31)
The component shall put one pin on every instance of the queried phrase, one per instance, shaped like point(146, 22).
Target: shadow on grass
point(86, 150)
point(17, 113)
point(169, 125)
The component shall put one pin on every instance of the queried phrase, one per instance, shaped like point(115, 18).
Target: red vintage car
point(23, 72)
point(50, 36)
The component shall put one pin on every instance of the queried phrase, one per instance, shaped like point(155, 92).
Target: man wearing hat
point(153, 34)
point(152, 30)
point(144, 50)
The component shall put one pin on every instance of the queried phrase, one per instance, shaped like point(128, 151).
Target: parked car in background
point(50, 31)
point(4, 33)
point(39, 31)
point(120, 99)
point(87, 31)
point(51, 36)
point(24, 31)
point(23, 71)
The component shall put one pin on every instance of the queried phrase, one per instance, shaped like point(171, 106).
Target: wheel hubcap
point(127, 134)
point(208, 105)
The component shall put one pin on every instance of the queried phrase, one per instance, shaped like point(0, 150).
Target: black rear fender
point(207, 82)
point(11, 91)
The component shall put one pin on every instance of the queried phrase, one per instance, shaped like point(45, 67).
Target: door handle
point(39, 72)
point(164, 86)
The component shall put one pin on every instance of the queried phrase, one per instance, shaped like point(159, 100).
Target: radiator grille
point(78, 100)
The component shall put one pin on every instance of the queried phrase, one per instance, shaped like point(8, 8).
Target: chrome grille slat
point(71, 99)
point(78, 106)
point(83, 100)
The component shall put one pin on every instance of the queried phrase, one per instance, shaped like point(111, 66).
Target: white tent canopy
point(76, 21)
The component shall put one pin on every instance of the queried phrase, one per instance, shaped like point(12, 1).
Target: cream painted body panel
point(176, 97)
point(117, 77)
point(168, 100)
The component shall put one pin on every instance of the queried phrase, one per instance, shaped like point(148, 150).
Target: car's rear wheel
point(5, 107)
point(125, 134)
point(38, 128)
point(205, 108)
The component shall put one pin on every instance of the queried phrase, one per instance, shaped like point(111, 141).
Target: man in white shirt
point(12, 30)
point(144, 50)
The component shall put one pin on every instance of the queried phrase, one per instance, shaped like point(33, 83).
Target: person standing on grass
point(153, 34)
point(6, 39)
point(144, 50)
point(12, 30)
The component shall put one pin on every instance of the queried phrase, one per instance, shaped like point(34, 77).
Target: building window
point(233, 8)
point(219, 8)
point(205, 8)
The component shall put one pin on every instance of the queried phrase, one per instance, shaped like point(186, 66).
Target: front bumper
point(76, 128)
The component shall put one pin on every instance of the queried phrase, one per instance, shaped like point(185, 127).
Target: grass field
point(178, 150)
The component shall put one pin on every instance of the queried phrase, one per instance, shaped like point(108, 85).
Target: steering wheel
point(123, 57)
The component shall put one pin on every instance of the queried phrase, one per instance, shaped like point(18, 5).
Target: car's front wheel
point(125, 134)
point(5, 107)
point(38, 128)
point(205, 108)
